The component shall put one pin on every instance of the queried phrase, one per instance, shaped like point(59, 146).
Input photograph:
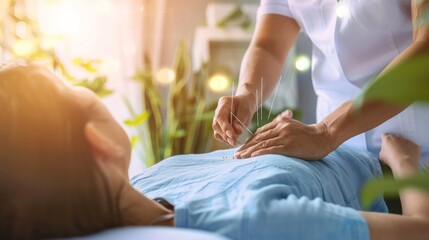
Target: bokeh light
point(24, 47)
point(165, 76)
point(219, 83)
point(109, 66)
point(104, 6)
point(303, 63)
point(21, 29)
point(48, 43)
point(60, 18)
point(342, 9)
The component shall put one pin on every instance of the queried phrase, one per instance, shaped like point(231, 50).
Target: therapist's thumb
point(241, 121)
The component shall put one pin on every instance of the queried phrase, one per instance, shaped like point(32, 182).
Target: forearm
point(402, 156)
point(391, 227)
point(346, 121)
point(414, 224)
point(415, 203)
point(258, 67)
point(263, 62)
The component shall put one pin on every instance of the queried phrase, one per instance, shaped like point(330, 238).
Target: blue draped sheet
point(266, 197)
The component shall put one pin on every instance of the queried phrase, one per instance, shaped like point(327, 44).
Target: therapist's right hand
point(243, 107)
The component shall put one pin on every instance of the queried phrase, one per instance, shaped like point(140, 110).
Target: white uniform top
point(350, 51)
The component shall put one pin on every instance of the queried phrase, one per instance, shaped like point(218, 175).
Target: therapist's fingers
point(266, 127)
point(221, 121)
point(260, 145)
point(256, 136)
point(256, 145)
point(286, 115)
point(237, 128)
point(258, 139)
point(217, 132)
point(270, 131)
point(218, 136)
point(279, 149)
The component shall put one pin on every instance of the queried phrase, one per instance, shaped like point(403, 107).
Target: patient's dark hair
point(49, 184)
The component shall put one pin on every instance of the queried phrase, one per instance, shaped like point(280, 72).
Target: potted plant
point(177, 124)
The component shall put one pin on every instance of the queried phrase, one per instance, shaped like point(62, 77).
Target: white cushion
point(152, 233)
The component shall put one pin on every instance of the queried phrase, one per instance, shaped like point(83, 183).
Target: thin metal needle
point(232, 106)
point(257, 111)
point(232, 102)
point(275, 96)
point(262, 90)
point(242, 124)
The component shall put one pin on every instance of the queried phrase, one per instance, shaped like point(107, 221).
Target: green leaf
point(98, 86)
point(390, 187)
point(104, 93)
point(56, 63)
point(205, 116)
point(140, 119)
point(180, 133)
point(181, 63)
point(404, 84)
point(88, 65)
point(134, 140)
point(247, 24)
point(236, 13)
point(142, 76)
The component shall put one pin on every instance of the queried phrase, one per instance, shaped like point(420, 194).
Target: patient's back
point(213, 188)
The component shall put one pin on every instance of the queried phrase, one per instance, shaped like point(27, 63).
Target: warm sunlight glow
point(60, 18)
point(342, 9)
point(21, 29)
point(24, 47)
point(302, 63)
point(104, 6)
point(219, 83)
point(165, 76)
point(48, 43)
point(109, 66)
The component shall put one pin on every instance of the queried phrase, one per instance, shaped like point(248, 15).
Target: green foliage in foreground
point(391, 187)
point(405, 84)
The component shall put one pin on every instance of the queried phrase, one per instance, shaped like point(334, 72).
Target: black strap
point(164, 203)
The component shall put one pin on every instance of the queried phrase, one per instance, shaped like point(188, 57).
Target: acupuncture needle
point(257, 111)
point(242, 124)
point(262, 90)
point(275, 96)
point(232, 101)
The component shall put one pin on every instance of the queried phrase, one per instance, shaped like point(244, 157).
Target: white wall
point(179, 20)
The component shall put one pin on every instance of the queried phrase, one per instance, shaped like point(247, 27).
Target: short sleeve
point(280, 7)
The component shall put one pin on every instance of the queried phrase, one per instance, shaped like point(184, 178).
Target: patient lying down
point(64, 163)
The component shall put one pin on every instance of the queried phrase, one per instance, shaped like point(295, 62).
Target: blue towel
point(266, 197)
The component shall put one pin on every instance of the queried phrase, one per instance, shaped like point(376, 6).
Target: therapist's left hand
point(289, 137)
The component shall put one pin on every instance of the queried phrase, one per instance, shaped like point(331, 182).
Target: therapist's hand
point(398, 152)
point(243, 107)
point(289, 137)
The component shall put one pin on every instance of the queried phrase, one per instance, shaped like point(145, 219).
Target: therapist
point(371, 38)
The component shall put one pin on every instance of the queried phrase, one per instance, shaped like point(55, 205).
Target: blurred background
point(159, 65)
